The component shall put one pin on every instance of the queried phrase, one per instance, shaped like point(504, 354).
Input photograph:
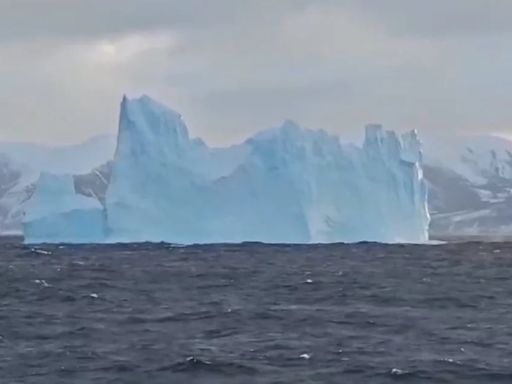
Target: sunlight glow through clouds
point(128, 47)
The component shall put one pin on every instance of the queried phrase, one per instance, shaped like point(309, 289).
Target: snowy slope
point(14, 191)
point(22, 163)
point(286, 184)
point(470, 186)
point(477, 158)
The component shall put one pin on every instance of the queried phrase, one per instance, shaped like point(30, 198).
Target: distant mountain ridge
point(74, 158)
point(22, 163)
point(470, 186)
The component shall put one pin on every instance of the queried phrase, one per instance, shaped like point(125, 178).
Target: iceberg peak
point(146, 114)
point(289, 124)
point(143, 122)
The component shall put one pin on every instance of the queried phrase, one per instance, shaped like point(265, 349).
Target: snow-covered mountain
point(22, 163)
point(14, 191)
point(286, 184)
point(470, 186)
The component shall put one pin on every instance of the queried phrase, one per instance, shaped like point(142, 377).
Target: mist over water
point(254, 313)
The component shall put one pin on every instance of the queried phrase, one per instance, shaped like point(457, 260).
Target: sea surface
point(254, 313)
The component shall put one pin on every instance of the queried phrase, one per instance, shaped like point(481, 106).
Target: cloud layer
point(233, 67)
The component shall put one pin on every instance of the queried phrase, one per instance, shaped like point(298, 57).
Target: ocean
point(255, 313)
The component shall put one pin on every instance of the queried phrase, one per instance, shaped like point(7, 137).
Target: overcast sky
point(232, 67)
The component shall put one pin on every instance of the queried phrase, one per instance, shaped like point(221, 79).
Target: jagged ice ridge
point(286, 185)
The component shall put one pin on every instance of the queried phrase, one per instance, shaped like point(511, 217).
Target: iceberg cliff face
point(161, 182)
point(286, 184)
point(394, 190)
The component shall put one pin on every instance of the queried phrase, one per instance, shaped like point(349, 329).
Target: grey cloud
point(232, 67)
point(88, 18)
point(440, 18)
point(32, 19)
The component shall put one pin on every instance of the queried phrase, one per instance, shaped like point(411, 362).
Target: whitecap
point(398, 372)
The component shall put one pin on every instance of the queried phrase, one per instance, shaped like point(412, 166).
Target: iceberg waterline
point(286, 185)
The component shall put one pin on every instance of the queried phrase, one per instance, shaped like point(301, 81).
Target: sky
point(234, 67)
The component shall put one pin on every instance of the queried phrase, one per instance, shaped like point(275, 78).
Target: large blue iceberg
point(56, 213)
point(286, 185)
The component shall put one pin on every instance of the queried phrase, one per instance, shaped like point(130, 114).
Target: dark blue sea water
point(254, 313)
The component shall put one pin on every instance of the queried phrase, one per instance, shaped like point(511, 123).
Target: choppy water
point(256, 313)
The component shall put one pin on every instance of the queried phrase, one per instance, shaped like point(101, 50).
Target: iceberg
point(283, 185)
point(57, 214)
